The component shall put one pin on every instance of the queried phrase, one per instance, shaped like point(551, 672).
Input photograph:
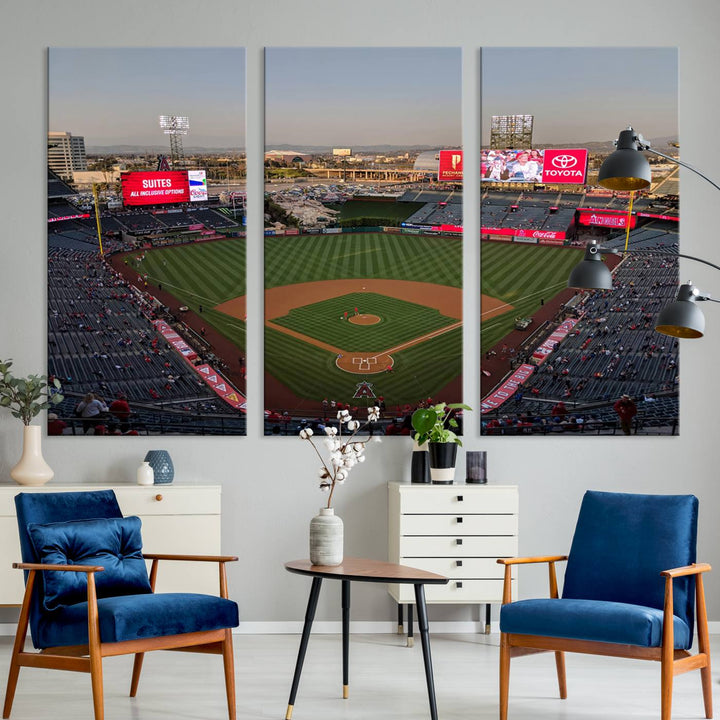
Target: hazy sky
point(582, 94)
point(345, 97)
point(113, 96)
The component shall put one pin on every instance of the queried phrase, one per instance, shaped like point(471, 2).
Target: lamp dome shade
point(627, 168)
point(591, 274)
point(682, 318)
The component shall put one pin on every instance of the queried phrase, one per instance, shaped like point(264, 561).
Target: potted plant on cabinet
point(434, 425)
point(26, 398)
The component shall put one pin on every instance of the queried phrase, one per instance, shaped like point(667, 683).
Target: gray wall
point(269, 484)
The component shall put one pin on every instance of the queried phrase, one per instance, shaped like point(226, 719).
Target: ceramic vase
point(326, 538)
point(420, 466)
point(442, 462)
point(145, 474)
point(32, 468)
point(162, 466)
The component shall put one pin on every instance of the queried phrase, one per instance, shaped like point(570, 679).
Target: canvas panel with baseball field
point(146, 240)
point(363, 241)
point(556, 360)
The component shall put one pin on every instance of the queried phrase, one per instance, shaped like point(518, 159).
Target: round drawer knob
point(158, 497)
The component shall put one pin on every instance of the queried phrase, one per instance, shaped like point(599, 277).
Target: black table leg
point(309, 615)
point(410, 637)
point(400, 629)
point(425, 640)
point(346, 635)
point(487, 618)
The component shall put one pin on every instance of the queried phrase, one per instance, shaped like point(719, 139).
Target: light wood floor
point(386, 683)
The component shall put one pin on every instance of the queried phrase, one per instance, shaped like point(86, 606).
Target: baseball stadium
point(138, 319)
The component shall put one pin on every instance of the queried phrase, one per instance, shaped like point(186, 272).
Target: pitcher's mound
point(364, 319)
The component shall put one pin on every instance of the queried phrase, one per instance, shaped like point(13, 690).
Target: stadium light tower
point(175, 126)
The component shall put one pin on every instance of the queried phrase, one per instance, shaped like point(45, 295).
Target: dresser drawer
point(456, 591)
point(458, 499)
point(159, 500)
point(469, 568)
point(458, 546)
point(458, 525)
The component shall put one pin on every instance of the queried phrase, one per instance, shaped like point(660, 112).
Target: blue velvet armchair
point(630, 582)
point(88, 594)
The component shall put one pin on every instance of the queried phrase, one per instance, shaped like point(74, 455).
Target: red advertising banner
point(542, 351)
point(605, 218)
point(451, 166)
point(498, 396)
point(674, 218)
point(175, 340)
point(565, 166)
point(448, 228)
point(554, 235)
point(68, 217)
point(154, 188)
point(223, 388)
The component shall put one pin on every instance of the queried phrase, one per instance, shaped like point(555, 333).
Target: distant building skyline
point(114, 96)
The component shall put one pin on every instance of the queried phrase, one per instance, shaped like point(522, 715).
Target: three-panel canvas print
point(363, 238)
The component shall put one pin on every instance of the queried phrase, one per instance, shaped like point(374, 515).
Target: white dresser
point(455, 530)
point(176, 518)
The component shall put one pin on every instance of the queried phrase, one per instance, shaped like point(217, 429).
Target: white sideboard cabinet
point(457, 530)
point(176, 518)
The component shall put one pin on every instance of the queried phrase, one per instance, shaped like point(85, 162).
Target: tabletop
point(368, 571)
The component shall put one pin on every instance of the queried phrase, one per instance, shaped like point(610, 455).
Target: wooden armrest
point(693, 569)
point(67, 568)
point(528, 560)
point(193, 558)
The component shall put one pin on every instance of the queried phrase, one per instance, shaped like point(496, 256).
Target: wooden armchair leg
point(229, 665)
point(137, 667)
point(96, 677)
point(11, 685)
point(562, 682)
point(19, 645)
point(504, 675)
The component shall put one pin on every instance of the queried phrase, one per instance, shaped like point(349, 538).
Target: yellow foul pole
point(97, 217)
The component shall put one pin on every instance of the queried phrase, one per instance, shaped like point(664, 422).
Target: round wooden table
point(363, 570)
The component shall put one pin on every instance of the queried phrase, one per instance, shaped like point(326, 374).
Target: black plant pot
point(420, 467)
point(442, 462)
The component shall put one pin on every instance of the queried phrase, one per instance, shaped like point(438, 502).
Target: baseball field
point(519, 277)
point(203, 275)
point(384, 308)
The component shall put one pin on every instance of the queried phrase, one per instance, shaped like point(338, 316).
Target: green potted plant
point(434, 426)
point(26, 398)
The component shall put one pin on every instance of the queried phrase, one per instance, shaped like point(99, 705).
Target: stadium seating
point(101, 340)
point(613, 350)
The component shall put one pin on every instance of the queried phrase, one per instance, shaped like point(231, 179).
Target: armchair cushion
point(597, 620)
point(138, 616)
point(113, 543)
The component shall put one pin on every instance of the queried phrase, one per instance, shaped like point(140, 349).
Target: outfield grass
point(401, 321)
point(420, 371)
point(298, 259)
point(375, 208)
point(521, 275)
point(204, 274)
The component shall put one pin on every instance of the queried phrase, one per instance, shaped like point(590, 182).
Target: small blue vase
point(162, 466)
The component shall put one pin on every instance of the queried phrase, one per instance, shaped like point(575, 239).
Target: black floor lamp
point(627, 169)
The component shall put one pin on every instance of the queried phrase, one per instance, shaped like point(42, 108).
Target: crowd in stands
point(102, 342)
point(612, 351)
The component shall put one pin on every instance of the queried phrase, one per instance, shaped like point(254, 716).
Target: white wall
point(269, 484)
